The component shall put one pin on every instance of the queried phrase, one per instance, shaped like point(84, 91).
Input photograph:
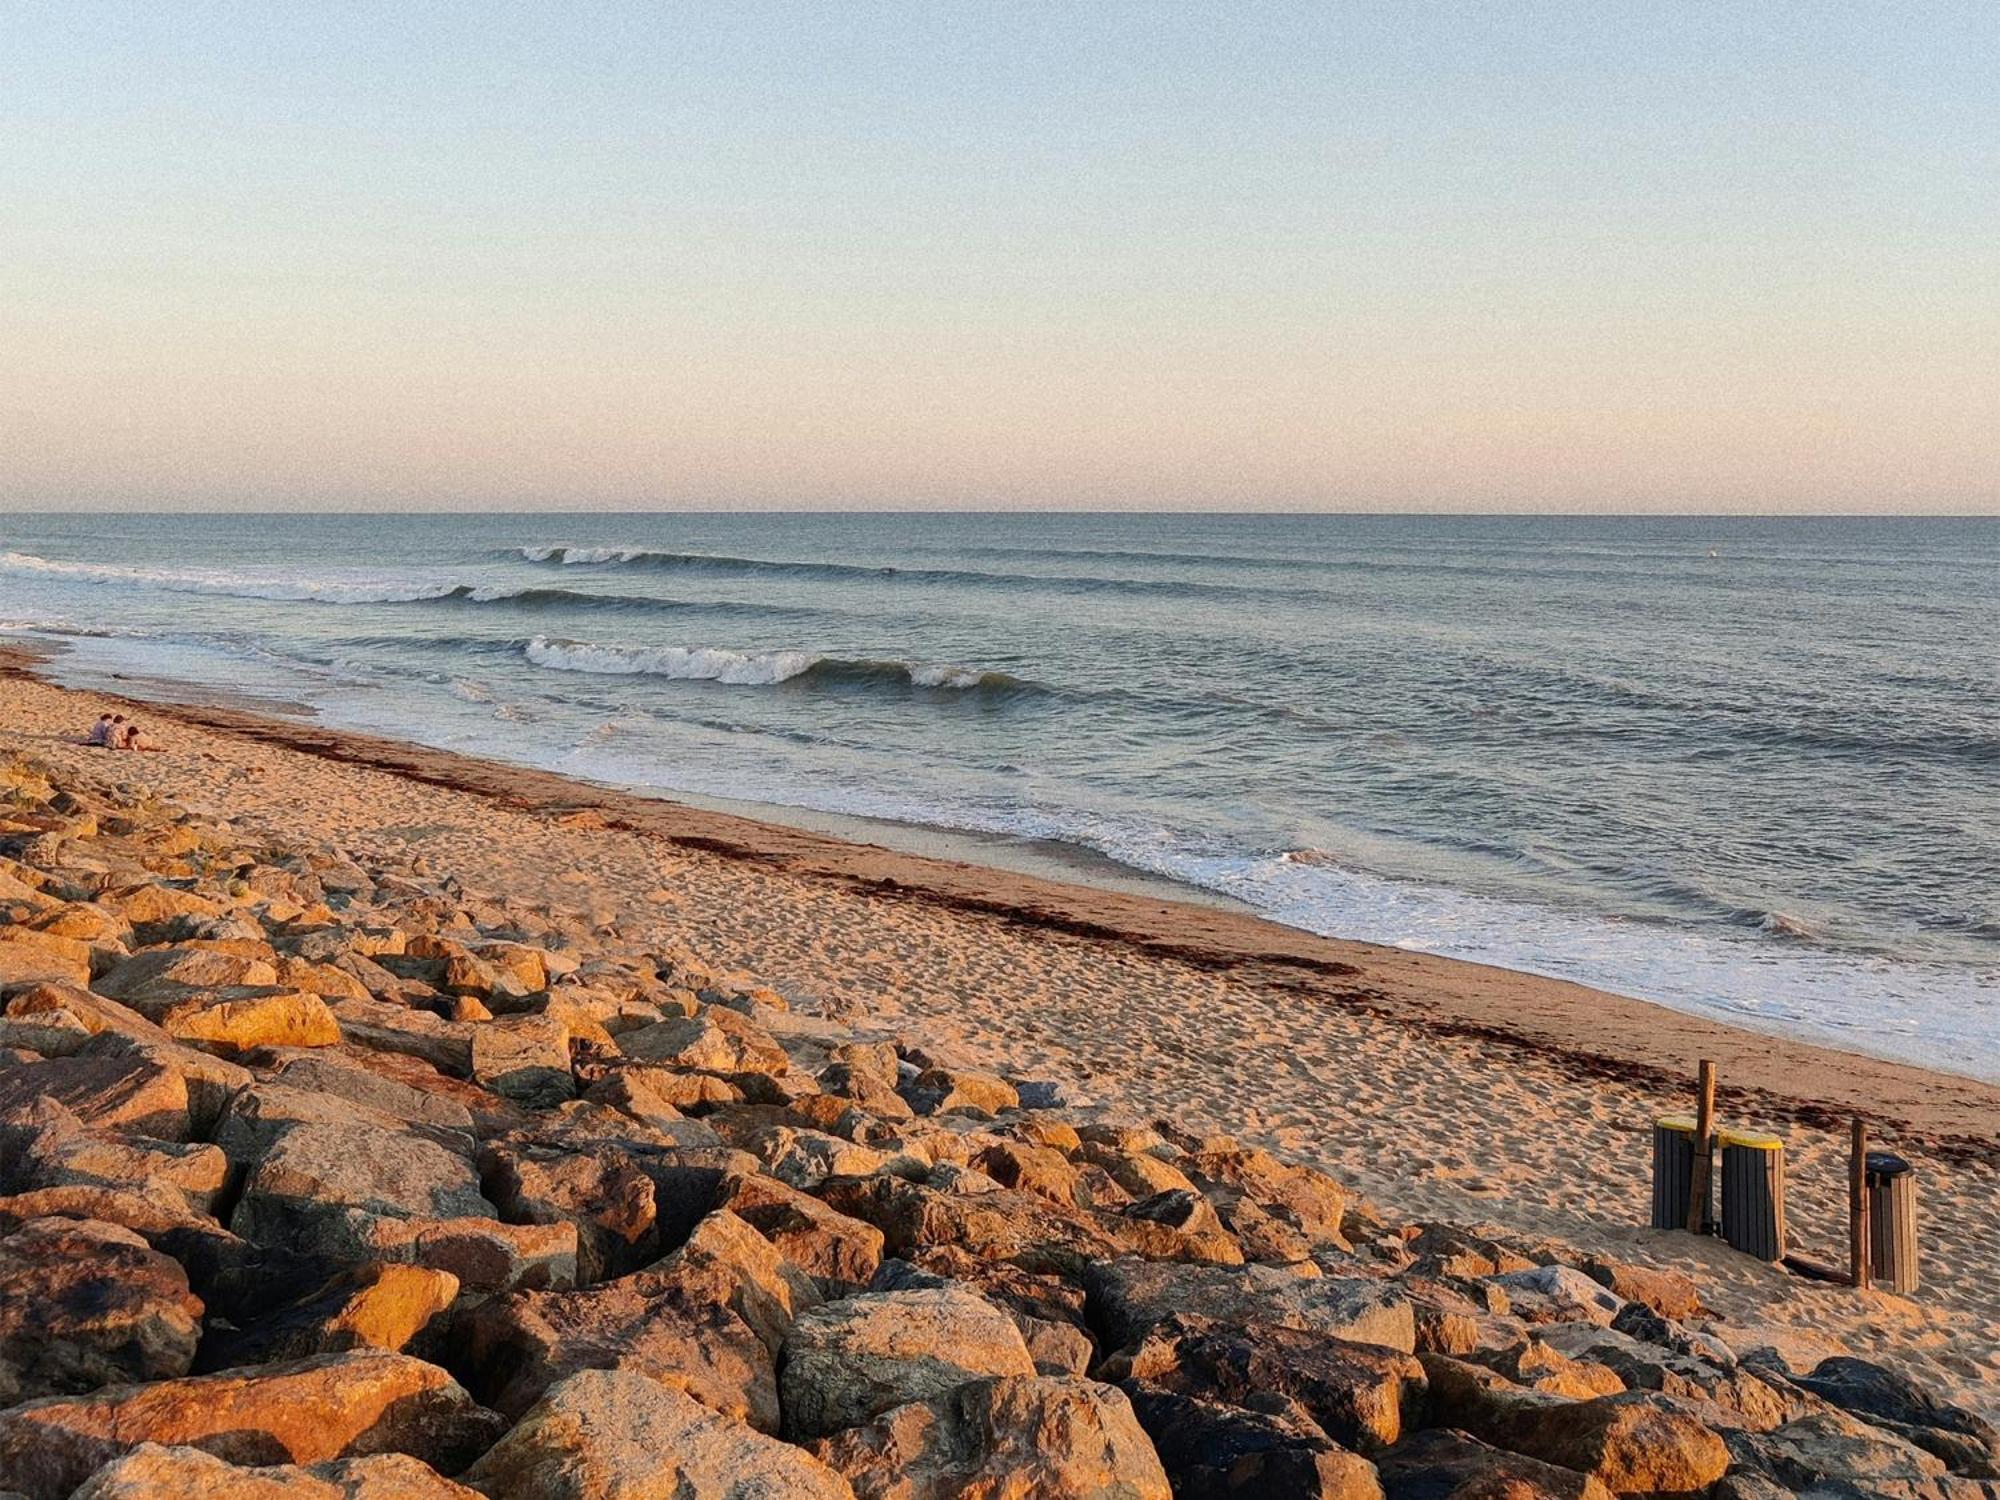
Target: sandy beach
point(1435, 1087)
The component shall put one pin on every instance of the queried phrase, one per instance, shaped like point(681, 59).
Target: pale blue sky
point(1526, 256)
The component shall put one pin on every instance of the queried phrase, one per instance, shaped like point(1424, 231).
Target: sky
point(1597, 256)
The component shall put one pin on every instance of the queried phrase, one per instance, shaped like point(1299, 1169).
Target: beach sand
point(1436, 1087)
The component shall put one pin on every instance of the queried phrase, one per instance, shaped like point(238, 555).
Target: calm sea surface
point(1749, 768)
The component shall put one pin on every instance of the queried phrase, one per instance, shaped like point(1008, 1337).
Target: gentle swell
point(242, 585)
point(740, 567)
point(758, 668)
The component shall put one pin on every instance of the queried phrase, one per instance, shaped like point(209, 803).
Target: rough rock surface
point(607, 1435)
point(1059, 1439)
point(847, 1361)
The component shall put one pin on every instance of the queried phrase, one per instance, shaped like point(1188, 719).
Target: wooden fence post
point(1704, 1152)
point(1857, 1206)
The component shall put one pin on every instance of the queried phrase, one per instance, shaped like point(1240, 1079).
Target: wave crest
point(755, 668)
point(292, 590)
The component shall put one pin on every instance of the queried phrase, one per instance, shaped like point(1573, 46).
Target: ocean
point(1748, 768)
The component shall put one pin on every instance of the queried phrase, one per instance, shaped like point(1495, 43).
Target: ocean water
point(1746, 768)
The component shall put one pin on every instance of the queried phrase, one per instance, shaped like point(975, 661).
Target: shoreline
point(1441, 1089)
point(1590, 1031)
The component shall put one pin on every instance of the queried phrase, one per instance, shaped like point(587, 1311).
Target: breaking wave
point(757, 668)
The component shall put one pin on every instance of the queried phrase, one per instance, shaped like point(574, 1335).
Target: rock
point(42, 1145)
point(85, 1304)
point(1875, 1393)
point(1668, 1293)
point(1559, 1294)
point(486, 1256)
point(805, 1158)
point(605, 1193)
point(1040, 1170)
point(1831, 1448)
point(1301, 1199)
point(317, 1184)
point(111, 1093)
point(1445, 1465)
point(1636, 1442)
point(379, 1306)
point(1139, 1174)
point(334, 1071)
point(1540, 1366)
point(1128, 1297)
point(1211, 1451)
point(848, 1361)
point(706, 1320)
point(1650, 1367)
point(838, 1249)
point(939, 1091)
point(234, 1021)
point(29, 958)
point(709, 1043)
point(525, 1058)
point(1055, 1439)
point(157, 981)
point(445, 1045)
point(1363, 1396)
point(210, 1080)
point(335, 1406)
point(151, 1472)
point(1004, 1225)
point(611, 1435)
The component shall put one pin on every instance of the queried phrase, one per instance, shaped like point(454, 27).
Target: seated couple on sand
point(116, 732)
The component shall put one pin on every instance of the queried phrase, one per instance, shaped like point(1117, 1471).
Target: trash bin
point(1673, 1173)
point(1753, 1193)
point(1892, 1222)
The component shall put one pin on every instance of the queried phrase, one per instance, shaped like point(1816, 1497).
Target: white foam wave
point(945, 675)
point(582, 555)
point(689, 663)
point(281, 587)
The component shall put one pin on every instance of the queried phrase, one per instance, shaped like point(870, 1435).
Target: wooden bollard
point(1753, 1193)
point(1696, 1215)
point(1673, 1171)
point(1857, 1206)
point(1892, 1221)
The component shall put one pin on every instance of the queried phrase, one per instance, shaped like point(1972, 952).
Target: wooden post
point(1857, 1205)
point(1704, 1151)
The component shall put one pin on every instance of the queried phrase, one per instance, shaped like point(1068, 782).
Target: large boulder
point(152, 1472)
point(848, 1361)
point(1445, 1465)
point(842, 1251)
point(604, 1192)
point(525, 1058)
point(319, 1184)
point(1363, 1396)
point(335, 1406)
point(708, 1319)
point(112, 1093)
point(85, 1304)
point(1642, 1366)
point(377, 1306)
point(1129, 1296)
point(614, 1435)
point(1055, 1439)
point(1878, 1394)
point(1830, 1449)
point(1637, 1442)
point(1212, 1451)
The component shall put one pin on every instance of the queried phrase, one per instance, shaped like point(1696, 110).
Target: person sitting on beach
point(118, 733)
point(100, 732)
point(137, 739)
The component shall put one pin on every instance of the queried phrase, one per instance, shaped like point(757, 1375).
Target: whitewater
point(1747, 768)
